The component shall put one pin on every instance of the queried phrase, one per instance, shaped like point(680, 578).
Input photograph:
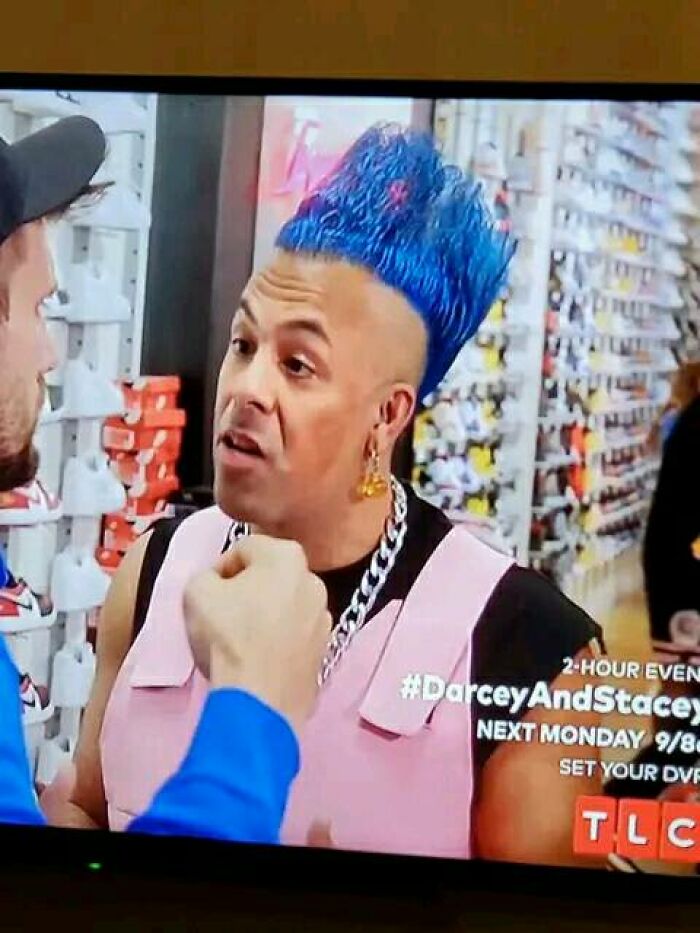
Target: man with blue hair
point(383, 273)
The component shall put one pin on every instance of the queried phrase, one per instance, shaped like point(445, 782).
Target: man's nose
point(255, 384)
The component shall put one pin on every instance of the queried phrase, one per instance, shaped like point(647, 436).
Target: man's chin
point(243, 505)
point(18, 469)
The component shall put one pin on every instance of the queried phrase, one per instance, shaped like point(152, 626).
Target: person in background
point(261, 657)
point(671, 551)
point(684, 388)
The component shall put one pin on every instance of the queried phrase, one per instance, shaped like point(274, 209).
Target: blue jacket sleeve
point(234, 782)
point(17, 800)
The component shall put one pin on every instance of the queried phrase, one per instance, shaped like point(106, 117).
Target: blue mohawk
point(421, 226)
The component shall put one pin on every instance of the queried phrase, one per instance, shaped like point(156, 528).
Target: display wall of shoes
point(613, 336)
point(51, 530)
point(601, 197)
point(467, 452)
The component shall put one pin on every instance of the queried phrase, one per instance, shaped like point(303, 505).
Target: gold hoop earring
point(373, 484)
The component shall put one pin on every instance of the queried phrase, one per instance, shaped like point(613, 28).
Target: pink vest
point(386, 774)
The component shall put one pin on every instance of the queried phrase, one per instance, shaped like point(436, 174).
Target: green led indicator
point(94, 866)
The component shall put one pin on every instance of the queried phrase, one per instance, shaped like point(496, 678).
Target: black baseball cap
point(47, 169)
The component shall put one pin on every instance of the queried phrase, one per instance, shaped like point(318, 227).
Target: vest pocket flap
point(393, 721)
point(432, 633)
point(405, 717)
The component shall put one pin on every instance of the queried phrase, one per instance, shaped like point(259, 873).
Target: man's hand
point(259, 621)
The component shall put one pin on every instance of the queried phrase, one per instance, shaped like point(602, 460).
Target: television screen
point(447, 345)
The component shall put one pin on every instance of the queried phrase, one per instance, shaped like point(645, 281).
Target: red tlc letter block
point(594, 825)
point(638, 829)
point(680, 832)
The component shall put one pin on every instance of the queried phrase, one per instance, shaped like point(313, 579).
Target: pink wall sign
point(303, 138)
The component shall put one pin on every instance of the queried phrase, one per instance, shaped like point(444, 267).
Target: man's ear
point(395, 413)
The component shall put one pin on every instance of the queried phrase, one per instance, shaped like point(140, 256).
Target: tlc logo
point(643, 829)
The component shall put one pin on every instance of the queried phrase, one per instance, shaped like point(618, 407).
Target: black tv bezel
point(89, 854)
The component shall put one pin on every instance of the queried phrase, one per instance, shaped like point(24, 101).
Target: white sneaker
point(685, 141)
point(520, 173)
point(93, 297)
point(669, 295)
point(572, 194)
point(446, 474)
point(446, 419)
point(574, 151)
point(584, 238)
point(54, 308)
point(610, 162)
point(471, 481)
point(90, 488)
point(73, 673)
point(673, 233)
point(437, 469)
point(35, 703)
point(45, 103)
point(54, 755)
point(88, 394)
point(49, 413)
point(115, 113)
point(564, 238)
point(673, 263)
point(602, 202)
point(469, 362)
point(577, 113)
point(120, 209)
point(22, 610)
point(680, 170)
point(680, 203)
point(489, 161)
point(77, 581)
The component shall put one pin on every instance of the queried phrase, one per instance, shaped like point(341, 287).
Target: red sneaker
point(36, 705)
point(23, 610)
point(29, 505)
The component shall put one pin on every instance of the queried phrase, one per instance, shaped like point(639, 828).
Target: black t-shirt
point(526, 629)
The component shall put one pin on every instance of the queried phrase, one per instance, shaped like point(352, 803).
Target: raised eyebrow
point(245, 310)
point(244, 306)
point(312, 327)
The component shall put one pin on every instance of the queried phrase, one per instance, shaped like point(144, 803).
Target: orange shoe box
point(120, 532)
point(149, 498)
point(160, 489)
point(151, 392)
point(119, 436)
point(149, 418)
point(131, 470)
point(139, 507)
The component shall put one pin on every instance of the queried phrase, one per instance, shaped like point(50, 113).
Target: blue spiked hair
point(394, 207)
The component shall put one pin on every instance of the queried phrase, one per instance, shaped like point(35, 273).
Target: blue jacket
point(233, 784)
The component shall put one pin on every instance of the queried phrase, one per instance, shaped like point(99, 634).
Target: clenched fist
point(259, 621)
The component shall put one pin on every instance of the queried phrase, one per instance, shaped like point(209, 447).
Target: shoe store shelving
point(473, 440)
point(598, 313)
point(620, 218)
point(52, 530)
point(688, 317)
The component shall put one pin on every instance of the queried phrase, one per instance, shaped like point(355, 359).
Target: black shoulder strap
point(162, 532)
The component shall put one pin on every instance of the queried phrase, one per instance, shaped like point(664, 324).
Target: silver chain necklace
point(373, 579)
